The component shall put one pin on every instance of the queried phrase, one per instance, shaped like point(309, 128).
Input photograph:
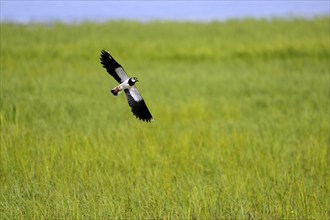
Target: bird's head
point(132, 81)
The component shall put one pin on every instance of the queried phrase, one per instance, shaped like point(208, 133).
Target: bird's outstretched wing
point(113, 68)
point(139, 107)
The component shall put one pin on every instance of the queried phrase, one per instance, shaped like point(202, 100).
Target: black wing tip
point(143, 116)
point(142, 112)
point(148, 120)
point(106, 56)
point(105, 52)
point(110, 64)
point(139, 108)
point(108, 61)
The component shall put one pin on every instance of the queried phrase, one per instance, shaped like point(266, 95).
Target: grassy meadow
point(241, 126)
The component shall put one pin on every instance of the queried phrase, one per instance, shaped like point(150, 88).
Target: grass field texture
point(241, 126)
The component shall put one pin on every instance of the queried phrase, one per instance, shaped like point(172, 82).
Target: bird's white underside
point(132, 90)
point(124, 85)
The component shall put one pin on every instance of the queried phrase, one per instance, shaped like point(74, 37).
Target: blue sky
point(72, 11)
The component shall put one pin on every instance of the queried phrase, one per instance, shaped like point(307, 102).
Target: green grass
point(241, 130)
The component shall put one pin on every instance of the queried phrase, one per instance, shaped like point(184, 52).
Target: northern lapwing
point(127, 84)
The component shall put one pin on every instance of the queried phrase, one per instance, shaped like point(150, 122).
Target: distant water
point(77, 11)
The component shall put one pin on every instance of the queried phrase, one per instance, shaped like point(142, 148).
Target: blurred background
point(78, 11)
point(241, 108)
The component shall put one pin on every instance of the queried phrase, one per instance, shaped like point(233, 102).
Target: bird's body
point(127, 84)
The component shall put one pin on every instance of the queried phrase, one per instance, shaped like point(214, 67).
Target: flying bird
point(126, 84)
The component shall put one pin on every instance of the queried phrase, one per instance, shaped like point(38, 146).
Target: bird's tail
point(116, 91)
